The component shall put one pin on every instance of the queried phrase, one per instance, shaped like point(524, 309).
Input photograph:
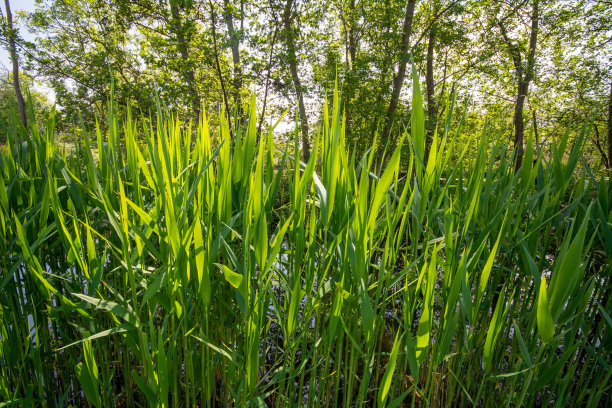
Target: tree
point(234, 41)
point(183, 30)
point(146, 48)
point(446, 35)
point(82, 47)
point(398, 79)
point(11, 35)
point(289, 33)
point(531, 60)
point(573, 83)
point(432, 27)
point(524, 71)
point(606, 157)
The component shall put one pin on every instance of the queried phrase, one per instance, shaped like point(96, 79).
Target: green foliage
point(171, 269)
point(8, 104)
point(165, 50)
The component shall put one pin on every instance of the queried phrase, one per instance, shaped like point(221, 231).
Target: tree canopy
point(544, 63)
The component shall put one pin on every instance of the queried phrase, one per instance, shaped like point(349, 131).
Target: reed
point(175, 267)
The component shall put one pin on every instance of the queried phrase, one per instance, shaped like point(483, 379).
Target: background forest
point(515, 63)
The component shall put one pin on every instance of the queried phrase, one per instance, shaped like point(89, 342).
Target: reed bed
point(184, 268)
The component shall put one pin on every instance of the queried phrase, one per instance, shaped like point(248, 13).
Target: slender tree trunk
point(398, 81)
point(432, 110)
point(519, 124)
point(523, 88)
point(235, 47)
point(535, 129)
point(287, 19)
point(610, 129)
point(265, 101)
point(184, 51)
point(350, 86)
point(441, 102)
point(381, 89)
point(13, 51)
point(604, 156)
point(214, 34)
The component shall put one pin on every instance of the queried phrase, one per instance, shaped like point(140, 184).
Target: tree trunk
point(13, 51)
point(441, 101)
point(287, 19)
point(523, 88)
point(350, 77)
point(432, 110)
point(519, 125)
point(214, 34)
point(184, 51)
point(535, 129)
point(604, 156)
point(235, 47)
point(398, 81)
point(265, 101)
point(378, 110)
point(610, 129)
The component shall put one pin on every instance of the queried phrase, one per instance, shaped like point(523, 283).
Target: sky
point(5, 59)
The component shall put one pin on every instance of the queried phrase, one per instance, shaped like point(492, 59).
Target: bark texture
point(432, 109)
point(610, 129)
point(288, 17)
point(398, 80)
point(235, 47)
point(182, 45)
point(13, 51)
point(524, 76)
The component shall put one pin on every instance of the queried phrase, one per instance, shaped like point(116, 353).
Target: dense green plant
point(173, 270)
